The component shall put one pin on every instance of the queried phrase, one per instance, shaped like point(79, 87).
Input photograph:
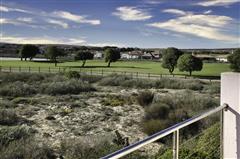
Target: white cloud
point(153, 1)
point(217, 2)
point(58, 22)
point(8, 9)
point(25, 19)
point(175, 11)
point(105, 44)
point(40, 40)
point(208, 12)
point(75, 18)
point(201, 25)
point(9, 21)
point(132, 14)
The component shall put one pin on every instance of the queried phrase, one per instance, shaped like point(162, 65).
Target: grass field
point(209, 69)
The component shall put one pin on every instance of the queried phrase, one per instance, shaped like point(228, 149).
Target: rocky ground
point(82, 116)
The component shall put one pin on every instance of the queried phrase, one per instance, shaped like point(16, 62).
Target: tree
point(84, 55)
point(170, 57)
point(234, 60)
point(189, 63)
point(28, 51)
point(53, 53)
point(111, 55)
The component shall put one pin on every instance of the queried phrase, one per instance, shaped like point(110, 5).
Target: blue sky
point(123, 23)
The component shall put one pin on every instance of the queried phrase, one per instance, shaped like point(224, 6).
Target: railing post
point(19, 68)
point(10, 69)
point(29, 69)
point(39, 69)
point(175, 144)
point(0, 68)
point(230, 94)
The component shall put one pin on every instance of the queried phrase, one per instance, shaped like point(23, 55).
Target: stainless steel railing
point(173, 129)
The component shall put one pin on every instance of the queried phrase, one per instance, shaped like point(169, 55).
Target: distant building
point(98, 55)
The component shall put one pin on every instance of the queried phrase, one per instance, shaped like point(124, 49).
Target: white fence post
point(230, 94)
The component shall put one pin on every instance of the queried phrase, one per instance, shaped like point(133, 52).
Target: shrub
point(22, 77)
point(8, 117)
point(171, 109)
point(125, 81)
point(68, 87)
point(9, 134)
point(157, 111)
point(90, 78)
point(92, 149)
point(26, 149)
point(7, 104)
point(154, 125)
point(212, 88)
point(113, 80)
point(72, 74)
point(145, 98)
point(114, 100)
point(17, 89)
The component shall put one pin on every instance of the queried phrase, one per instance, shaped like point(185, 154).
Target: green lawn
point(209, 69)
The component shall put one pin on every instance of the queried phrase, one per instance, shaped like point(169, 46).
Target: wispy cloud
point(208, 12)
point(76, 18)
point(50, 40)
point(217, 2)
point(40, 40)
point(58, 22)
point(52, 17)
point(153, 1)
point(175, 11)
point(8, 9)
point(25, 19)
point(127, 13)
point(201, 25)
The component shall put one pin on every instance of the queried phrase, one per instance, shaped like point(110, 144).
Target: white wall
point(230, 94)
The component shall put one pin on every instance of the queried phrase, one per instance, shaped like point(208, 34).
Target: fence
point(98, 72)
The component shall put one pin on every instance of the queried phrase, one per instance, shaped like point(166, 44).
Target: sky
point(122, 23)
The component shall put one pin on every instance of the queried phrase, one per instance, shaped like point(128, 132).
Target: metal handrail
point(173, 129)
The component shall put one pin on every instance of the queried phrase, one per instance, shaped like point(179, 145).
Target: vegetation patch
point(67, 87)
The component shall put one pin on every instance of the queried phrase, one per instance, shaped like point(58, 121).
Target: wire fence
point(95, 72)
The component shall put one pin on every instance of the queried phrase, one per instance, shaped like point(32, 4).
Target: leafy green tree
point(170, 57)
point(234, 60)
point(111, 55)
point(83, 56)
point(53, 53)
point(189, 63)
point(28, 51)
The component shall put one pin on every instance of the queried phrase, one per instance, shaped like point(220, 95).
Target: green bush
point(27, 149)
point(157, 111)
point(72, 74)
point(22, 77)
point(145, 98)
point(213, 88)
point(17, 89)
point(8, 117)
point(113, 80)
point(114, 100)
point(7, 104)
point(154, 125)
point(67, 87)
point(89, 149)
point(12, 133)
point(171, 109)
point(169, 83)
point(199, 147)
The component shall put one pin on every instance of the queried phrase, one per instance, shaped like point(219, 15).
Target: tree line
point(171, 58)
